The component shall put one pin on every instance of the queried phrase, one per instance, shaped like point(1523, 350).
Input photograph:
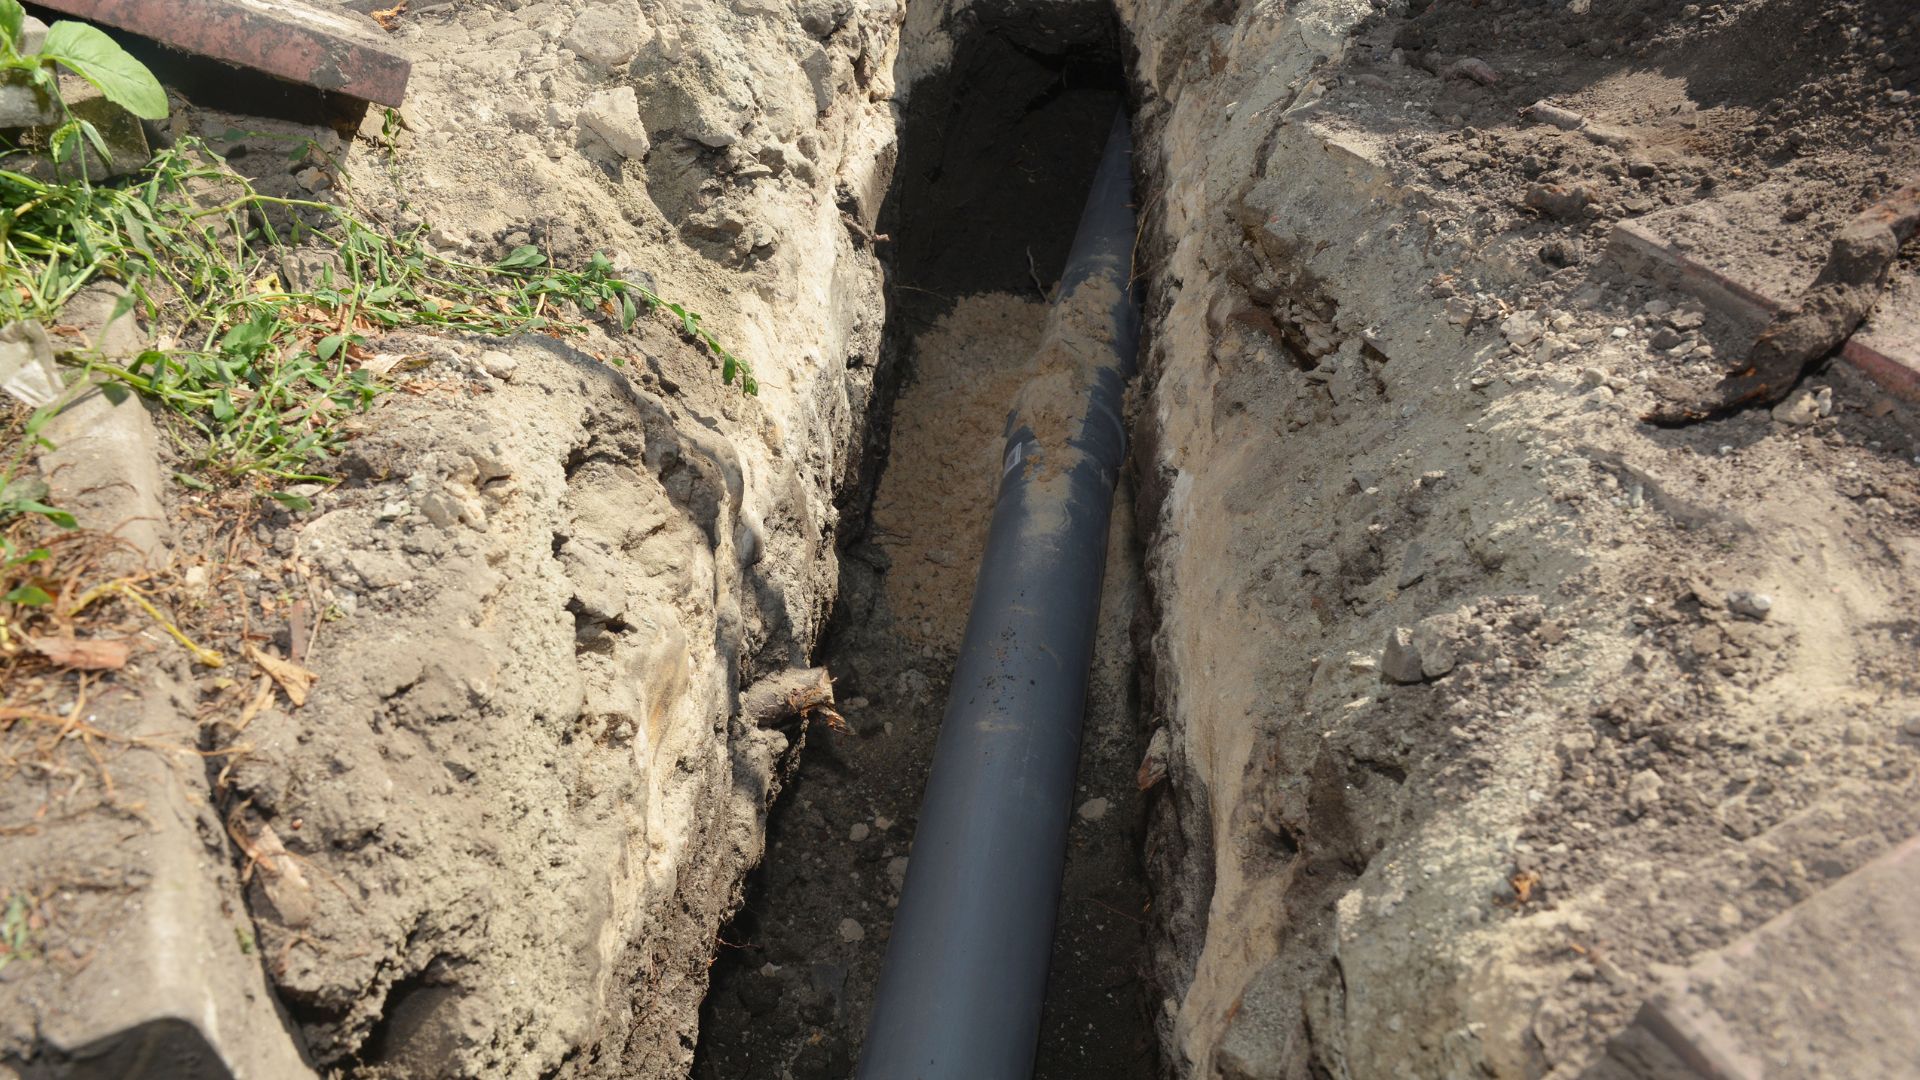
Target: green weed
point(16, 931)
point(260, 370)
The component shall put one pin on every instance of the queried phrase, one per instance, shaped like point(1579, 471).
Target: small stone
point(1687, 319)
point(608, 36)
point(860, 831)
point(1751, 604)
point(1706, 641)
point(498, 364)
point(1911, 725)
point(1413, 566)
point(1469, 67)
point(33, 34)
point(314, 179)
point(1400, 661)
point(1665, 338)
point(897, 871)
point(28, 372)
point(614, 115)
point(1521, 328)
point(851, 931)
point(24, 105)
point(396, 509)
point(439, 509)
point(1577, 746)
point(1559, 201)
point(1093, 809)
point(1362, 665)
point(1801, 409)
point(1643, 790)
point(1823, 401)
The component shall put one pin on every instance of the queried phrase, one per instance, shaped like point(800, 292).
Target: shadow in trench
point(997, 152)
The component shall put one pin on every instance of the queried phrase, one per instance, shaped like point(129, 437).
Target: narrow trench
point(997, 153)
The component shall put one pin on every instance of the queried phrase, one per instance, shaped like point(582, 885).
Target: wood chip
point(261, 699)
point(286, 886)
point(293, 678)
point(299, 631)
point(85, 654)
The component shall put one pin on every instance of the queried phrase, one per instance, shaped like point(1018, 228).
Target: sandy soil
point(795, 994)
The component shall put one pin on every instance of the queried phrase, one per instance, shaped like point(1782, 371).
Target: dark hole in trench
point(997, 153)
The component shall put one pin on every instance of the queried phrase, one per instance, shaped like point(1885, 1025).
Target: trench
point(997, 152)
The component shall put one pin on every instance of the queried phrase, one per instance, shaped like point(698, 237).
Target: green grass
point(16, 936)
point(259, 374)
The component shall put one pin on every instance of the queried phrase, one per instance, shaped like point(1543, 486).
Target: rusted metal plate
point(314, 46)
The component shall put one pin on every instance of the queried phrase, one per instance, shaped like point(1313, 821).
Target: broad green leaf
point(523, 256)
point(290, 500)
point(29, 596)
point(13, 18)
point(249, 338)
point(100, 60)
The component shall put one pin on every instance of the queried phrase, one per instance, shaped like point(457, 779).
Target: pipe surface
point(961, 989)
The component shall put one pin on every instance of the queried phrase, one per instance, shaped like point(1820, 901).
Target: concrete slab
point(1826, 989)
point(326, 49)
point(105, 461)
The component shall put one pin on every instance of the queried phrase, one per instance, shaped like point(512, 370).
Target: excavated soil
point(1472, 734)
point(1434, 721)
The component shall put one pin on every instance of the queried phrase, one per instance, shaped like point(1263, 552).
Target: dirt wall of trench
point(519, 800)
point(1465, 745)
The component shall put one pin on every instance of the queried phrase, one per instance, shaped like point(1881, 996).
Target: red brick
point(299, 42)
point(1886, 349)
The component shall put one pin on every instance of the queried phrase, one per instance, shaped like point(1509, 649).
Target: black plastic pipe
point(960, 993)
